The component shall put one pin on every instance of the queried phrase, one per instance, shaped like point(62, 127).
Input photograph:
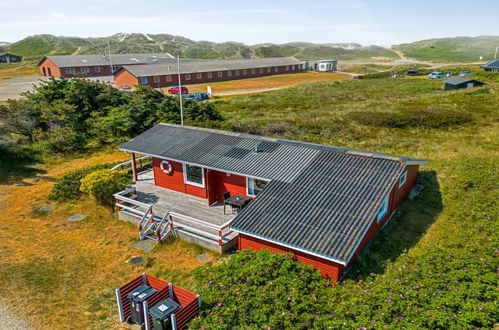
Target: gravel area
point(9, 321)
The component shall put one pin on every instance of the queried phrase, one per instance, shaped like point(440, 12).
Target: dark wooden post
point(134, 168)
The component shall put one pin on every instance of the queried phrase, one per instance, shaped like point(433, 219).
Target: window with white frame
point(403, 179)
point(254, 186)
point(143, 80)
point(199, 76)
point(237, 72)
point(269, 69)
point(84, 69)
point(253, 71)
point(287, 67)
point(229, 73)
point(276, 69)
point(383, 209)
point(116, 68)
point(193, 175)
point(245, 72)
point(210, 75)
point(156, 79)
point(70, 70)
point(168, 78)
point(97, 69)
point(261, 70)
point(187, 76)
point(219, 74)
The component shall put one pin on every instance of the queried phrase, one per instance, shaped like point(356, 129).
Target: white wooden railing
point(141, 162)
point(126, 200)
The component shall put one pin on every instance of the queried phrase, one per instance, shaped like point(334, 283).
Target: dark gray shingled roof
point(320, 199)
point(195, 66)
point(64, 61)
point(459, 80)
point(491, 64)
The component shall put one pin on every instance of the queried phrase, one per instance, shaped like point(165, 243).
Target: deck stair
point(153, 227)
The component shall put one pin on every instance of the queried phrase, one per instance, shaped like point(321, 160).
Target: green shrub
point(423, 118)
point(259, 290)
point(102, 184)
point(68, 187)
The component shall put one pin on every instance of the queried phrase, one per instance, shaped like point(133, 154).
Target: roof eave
point(329, 258)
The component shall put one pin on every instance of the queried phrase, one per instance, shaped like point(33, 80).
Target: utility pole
point(110, 59)
point(180, 90)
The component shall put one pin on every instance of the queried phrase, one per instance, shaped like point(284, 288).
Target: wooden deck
point(164, 200)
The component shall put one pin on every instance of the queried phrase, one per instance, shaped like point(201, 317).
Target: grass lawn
point(64, 273)
point(22, 69)
point(281, 80)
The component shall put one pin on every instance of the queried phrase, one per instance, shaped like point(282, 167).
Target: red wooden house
point(321, 203)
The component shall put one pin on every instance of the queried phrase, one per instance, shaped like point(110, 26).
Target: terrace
point(160, 213)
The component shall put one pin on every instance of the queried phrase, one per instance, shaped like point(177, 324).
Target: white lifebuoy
point(166, 167)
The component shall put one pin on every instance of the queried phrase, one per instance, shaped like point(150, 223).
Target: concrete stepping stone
point(136, 260)
point(145, 245)
point(203, 257)
point(77, 217)
point(47, 208)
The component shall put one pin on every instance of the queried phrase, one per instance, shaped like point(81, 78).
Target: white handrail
point(128, 162)
point(146, 213)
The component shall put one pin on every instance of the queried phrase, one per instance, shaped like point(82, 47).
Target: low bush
point(260, 290)
point(423, 118)
point(68, 187)
point(100, 185)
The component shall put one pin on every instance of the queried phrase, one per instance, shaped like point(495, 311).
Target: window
point(168, 78)
point(254, 186)
point(156, 79)
point(229, 73)
point(383, 209)
point(292, 67)
point(193, 175)
point(269, 69)
point(237, 72)
point(199, 76)
point(187, 76)
point(403, 179)
point(97, 69)
point(253, 71)
point(219, 74)
point(245, 72)
point(210, 75)
point(287, 67)
point(84, 69)
point(261, 70)
point(143, 80)
point(116, 68)
point(276, 69)
point(70, 70)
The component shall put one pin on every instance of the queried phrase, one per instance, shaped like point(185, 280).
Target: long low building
point(165, 73)
point(96, 65)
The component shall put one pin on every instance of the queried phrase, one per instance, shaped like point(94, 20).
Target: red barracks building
point(200, 71)
point(96, 65)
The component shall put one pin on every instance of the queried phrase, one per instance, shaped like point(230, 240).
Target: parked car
point(176, 90)
point(465, 73)
point(437, 74)
point(196, 96)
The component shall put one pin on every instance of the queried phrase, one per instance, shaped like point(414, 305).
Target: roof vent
point(257, 149)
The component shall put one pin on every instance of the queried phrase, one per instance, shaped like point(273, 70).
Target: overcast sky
point(382, 22)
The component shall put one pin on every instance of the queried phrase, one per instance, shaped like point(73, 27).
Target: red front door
point(212, 186)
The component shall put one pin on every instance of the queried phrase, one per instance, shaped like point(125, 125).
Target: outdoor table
point(236, 201)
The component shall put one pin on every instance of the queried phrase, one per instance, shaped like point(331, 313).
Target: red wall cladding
point(327, 268)
point(175, 180)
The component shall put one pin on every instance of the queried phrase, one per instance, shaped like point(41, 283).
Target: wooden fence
point(188, 301)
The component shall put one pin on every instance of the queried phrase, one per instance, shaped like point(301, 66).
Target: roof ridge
point(348, 151)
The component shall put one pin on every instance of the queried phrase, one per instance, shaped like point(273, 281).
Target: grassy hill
point(459, 49)
point(41, 45)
